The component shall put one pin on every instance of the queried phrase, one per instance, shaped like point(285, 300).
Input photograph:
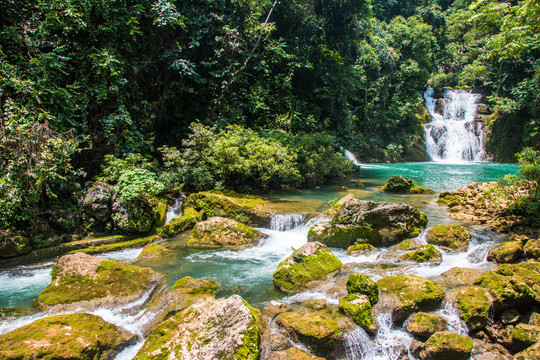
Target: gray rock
point(98, 200)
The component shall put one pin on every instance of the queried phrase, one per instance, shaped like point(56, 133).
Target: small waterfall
point(455, 324)
point(390, 343)
point(175, 210)
point(349, 155)
point(286, 222)
point(358, 345)
point(454, 136)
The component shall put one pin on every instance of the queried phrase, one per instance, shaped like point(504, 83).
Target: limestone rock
point(313, 261)
point(489, 351)
point(449, 237)
point(88, 282)
point(153, 252)
point(506, 252)
point(474, 304)
point(343, 236)
point(408, 244)
point(73, 336)
point(293, 353)
point(424, 254)
point(98, 200)
point(362, 284)
point(358, 308)
point(393, 221)
point(209, 329)
point(445, 345)
point(222, 232)
point(506, 291)
point(404, 185)
point(424, 324)
point(275, 308)
point(531, 353)
point(360, 249)
point(246, 209)
point(458, 277)
point(409, 294)
point(532, 249)
point(528, 272)
point(524, 336)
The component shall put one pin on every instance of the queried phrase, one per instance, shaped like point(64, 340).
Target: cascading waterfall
point(174, 211)
point(454, 136)
point(286, 222)
point(358, 345)
point(349, 155)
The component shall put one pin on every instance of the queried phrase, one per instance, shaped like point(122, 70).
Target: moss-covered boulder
point(358, 308)
point(449, 237)
point(474, 304)
point(445, 345)
point(458, 277)
point(218, 232)
point(406, 245)
point(528, 272)
point(153, 252)
point(73, 336)
point(184, 293)
point(362, 284)
point(360, 250)
point(135, 216)
point(424, 325)
point(336, 208)
point(183, 223)
point(343, 236)
point(209, 329)
point(532, 249)
point(322, 331)
point(292, 353)
point(14, 246)
point(393, 221)
point(424, 254)
point(88, 282)
point(313, 261)
point(506, 252)
point(409, 294)
point(523, 336)
point(506, 291)
point(404, 185)
point(247, 209)
point(531, 353)
point(97, 202)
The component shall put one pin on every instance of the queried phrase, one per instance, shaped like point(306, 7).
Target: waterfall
point(175, 210)
point(454, 136)
point(349, 155)
point(286, 222)
point(358, 345)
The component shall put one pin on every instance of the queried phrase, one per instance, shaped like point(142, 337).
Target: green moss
point(137, 243)
point(358, 307)
point(403, 185)
point(506, 252)
point(424, 324)
point(415, 189)
point(343, 236)
point(222, 232)
point(291, 276)
point(425, 253)
point(196, 286)
point(250, 348)
point(474, 306)
point(161, 211)
point(525, 335)
point(447, 345)
point(185, 222)
point(450, 237)
point(361, 284)
point(505, 290)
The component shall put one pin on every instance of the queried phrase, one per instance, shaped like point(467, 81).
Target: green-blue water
point(249, 272)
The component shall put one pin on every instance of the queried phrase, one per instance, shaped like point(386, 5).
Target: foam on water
point(287, 222)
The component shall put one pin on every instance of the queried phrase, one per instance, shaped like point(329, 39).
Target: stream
point(248, 273)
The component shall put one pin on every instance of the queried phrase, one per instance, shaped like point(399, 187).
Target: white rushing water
point(454, 136)
point(351, 157)
point(174, 211)
point(286, 222)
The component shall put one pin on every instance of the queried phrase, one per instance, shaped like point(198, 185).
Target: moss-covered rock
point(410, 294)
point(532, 249)
point(358, 308)
point(408, 244)
point(313, 261)
point(393, 221)
point(87, 282)
point(14, 246)
point(343, 236)
point(292, 353)
point(506, 291)
point(506, 252)
point(474, 304)
point(183, 223)
point(458, 277)
point(73, 336)
point(445, 345)
point(246, 209)
point(424, 254)
point(404, 185)
point(152, 252)
point(209, 329)
point(360, 249)
point(117, 246)
point(336, 208)
point(424, 325)
point(223, 232)
point(184, 293)
point(362, 284)
point(531, 353)
point(523, 336)
point(97, 201)
point(135, 216)
point(449, 237)
point(528, 272)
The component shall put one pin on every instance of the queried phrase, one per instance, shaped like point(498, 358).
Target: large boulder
point(445, 345)
point(97, 201)
point(223, 232)
point(405, 245)
point(184, 293)
point(153, 252)
point(73, 336)
point(209, 329)
point(86, 282)
point(424, 325)
point(449, 237)
point(506, 252)
point(474, 304)
point(424, 254)
point(360, 249)
point(135, 216)
point(14, 246)
point(528, 272)
point(343, 235)
point(457, 276)
point(532, 249)
point(404, 185)
point(362, 284)
point(524, 336)
point(358, 308)
point(393, 221)
point(313, 261)
point(408, 294)
point(506, 291)
point(246, 209)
